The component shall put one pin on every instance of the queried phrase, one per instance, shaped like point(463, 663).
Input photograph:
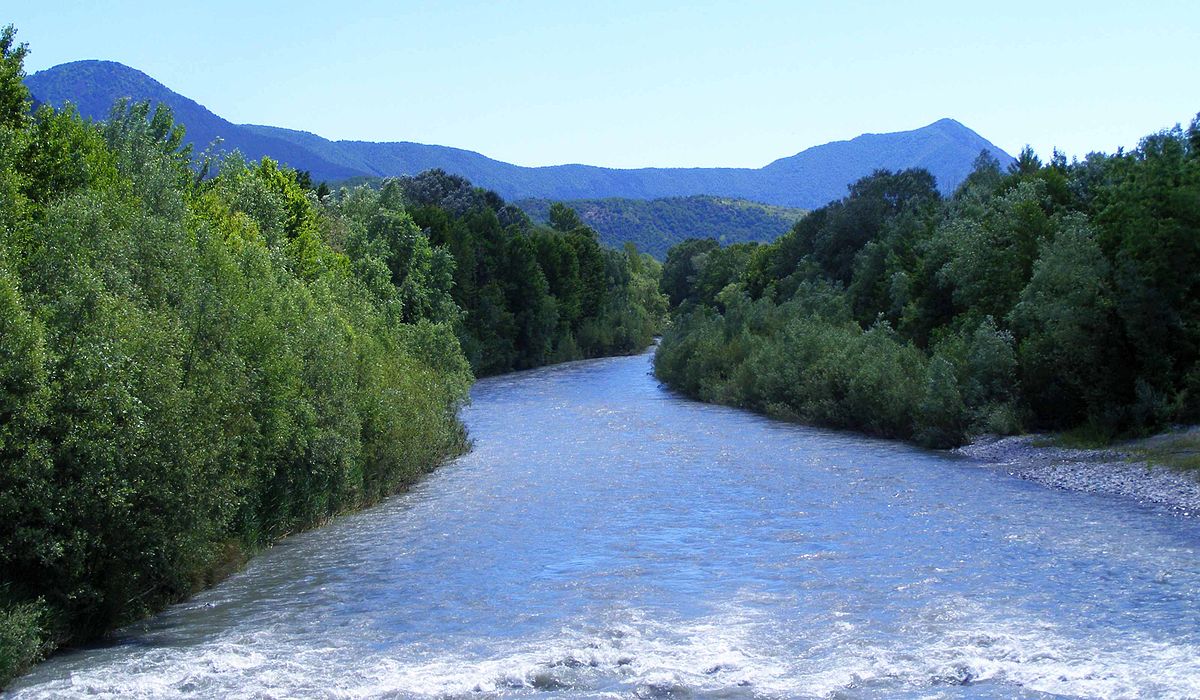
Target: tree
point(14, 96)
point(989, 259)
point(1027, 163)
point(684, 263)
point(564, 218)
point(1063, 318)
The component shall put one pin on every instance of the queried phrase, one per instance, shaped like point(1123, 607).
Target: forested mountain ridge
point(655, 225)
point(806, 180)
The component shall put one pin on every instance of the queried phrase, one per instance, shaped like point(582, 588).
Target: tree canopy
point(1052, 296)
point(198, 358)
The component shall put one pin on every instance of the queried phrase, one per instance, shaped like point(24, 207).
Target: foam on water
point(607, 539)
point(950, 652)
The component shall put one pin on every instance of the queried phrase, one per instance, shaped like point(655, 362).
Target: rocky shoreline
point(1121, 470)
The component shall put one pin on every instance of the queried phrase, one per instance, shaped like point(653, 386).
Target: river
point(607, 538)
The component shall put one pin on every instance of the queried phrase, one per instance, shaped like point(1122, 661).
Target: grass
point(1084, 437)
point(1178, 451)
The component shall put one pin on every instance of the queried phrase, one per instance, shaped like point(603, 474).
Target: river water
point(607, 538)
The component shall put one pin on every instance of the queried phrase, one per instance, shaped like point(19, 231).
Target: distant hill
point(93, 87)
point(807, 180)
point(657, 224)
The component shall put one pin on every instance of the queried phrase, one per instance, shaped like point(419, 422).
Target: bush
point(22, 638)
point(941, 415)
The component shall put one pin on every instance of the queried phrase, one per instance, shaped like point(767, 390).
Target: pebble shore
point(1109, 471)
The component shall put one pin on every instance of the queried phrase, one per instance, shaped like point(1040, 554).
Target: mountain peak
point(948, 123)
point(807, 179)
point(94, 85)
point(956, 129)
point(946, 148)
point(83, 73)
point(86, 62)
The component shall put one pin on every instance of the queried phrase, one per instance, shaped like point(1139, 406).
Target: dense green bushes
point(187, 371)
point(199, 358)
point(1053, 296)
point(802, 365)
point(528, 294)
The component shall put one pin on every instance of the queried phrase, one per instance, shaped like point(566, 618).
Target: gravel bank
point(1113, 471)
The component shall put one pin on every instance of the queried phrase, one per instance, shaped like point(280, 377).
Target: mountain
point(93, 87)
point(807, 180)
point(657, 224)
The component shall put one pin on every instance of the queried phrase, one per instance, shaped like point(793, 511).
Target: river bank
point(609, 538)
point(22, 647)
point(1157, 471)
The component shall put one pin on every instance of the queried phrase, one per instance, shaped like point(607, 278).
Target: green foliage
point(681, 269)
point(1059, 295)
point(990, 258)
point(563, 218)
point(14, 97)
point(192, 367)
point(1063, 319)
point(941, 413)
point(21, 637)
point(657, 225)
point(791, 362)
point(528, 294)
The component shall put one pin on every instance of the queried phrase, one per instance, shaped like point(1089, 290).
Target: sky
point(644, 83)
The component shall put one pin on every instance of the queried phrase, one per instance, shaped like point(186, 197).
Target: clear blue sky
point(635, 83)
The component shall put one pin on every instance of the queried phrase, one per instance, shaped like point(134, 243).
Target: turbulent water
point(606, 538)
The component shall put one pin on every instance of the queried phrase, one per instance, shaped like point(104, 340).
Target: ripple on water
point(948, 652)
point(608, 539)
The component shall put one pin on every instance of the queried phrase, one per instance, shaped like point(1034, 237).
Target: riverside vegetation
point(199, 358)
point(1060, 296)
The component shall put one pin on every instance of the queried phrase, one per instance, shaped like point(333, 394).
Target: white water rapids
point(606, 538)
